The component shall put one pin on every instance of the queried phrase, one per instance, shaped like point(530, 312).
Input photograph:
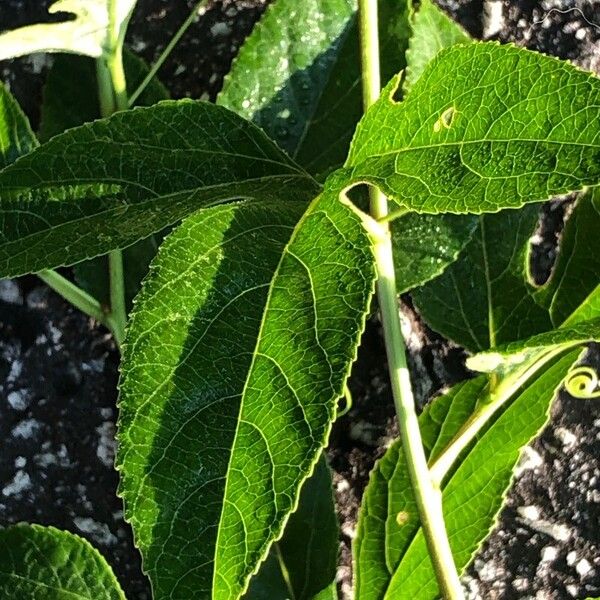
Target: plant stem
point(77, 297)
point(428, 496)
point(167, 51)
point(112, 92)
point(498, 395)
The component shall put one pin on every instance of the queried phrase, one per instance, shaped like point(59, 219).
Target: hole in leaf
point(445, 120)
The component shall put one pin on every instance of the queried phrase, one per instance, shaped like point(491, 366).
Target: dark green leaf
point(111, 183)
point(70, 100)
point(44, 563)
point(424, 245)
point(298, 75)
point(486, 127)
point(484, 298)
point(309, 547)
point(577, 270)
point(16, 137)
point(70, 96)
point(238, 349)
point(280, 72)
point(391, 554)
point(432, 31)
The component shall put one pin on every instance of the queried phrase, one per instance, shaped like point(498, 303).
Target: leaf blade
point(234, 379)
point(456, 146)
point(473, 494)
point(44, 562)
point(111, 183)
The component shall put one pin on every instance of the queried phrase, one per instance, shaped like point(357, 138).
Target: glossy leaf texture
point(577, 270)
point(391, 558)
point(308, 549)
point(46, 564)
point(424, 245)
point(86, 32)
point(298, 75)
point(484, 298)
point(515, 353)
point(284, 65)
point(70, 100)
point(16, 137)
point(238, 348)
point(432, 31)
point(108, 184)
point(486, 127)
point(306, 95)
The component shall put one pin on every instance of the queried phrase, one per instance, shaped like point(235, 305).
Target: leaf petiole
point(80, 299)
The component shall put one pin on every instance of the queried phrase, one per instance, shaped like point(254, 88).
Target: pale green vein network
point(522, 127)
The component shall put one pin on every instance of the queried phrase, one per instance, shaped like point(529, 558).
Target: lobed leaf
point(46, 563)
point(391, 557)
point(87, 33)
point(486, 127)
point(238, 348)
point(111, 183)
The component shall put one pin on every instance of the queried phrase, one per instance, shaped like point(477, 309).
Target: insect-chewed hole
point(445, 120)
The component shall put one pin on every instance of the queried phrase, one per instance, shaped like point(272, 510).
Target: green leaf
point(391, 554)
point(238, 348)
point(484, 298)
point(282, 68)
point(509, 355)
point(577, 270)
point(70, 100)
point(111, 183)
point(87, 33)
point(308, 549)
point(432, 31)
point(16, 137)
point(424, 245)
point(383, 536)
point(486, 127)
point(298, 75)
point(48, 564)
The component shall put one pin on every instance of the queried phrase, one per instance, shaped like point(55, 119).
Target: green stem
point(427, 495)
point(498, 395)
point(167, 51)
point(112, 92)
point(118, 309)
point(77, 297)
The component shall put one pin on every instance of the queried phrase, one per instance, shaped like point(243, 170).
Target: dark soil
point(58, 370)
